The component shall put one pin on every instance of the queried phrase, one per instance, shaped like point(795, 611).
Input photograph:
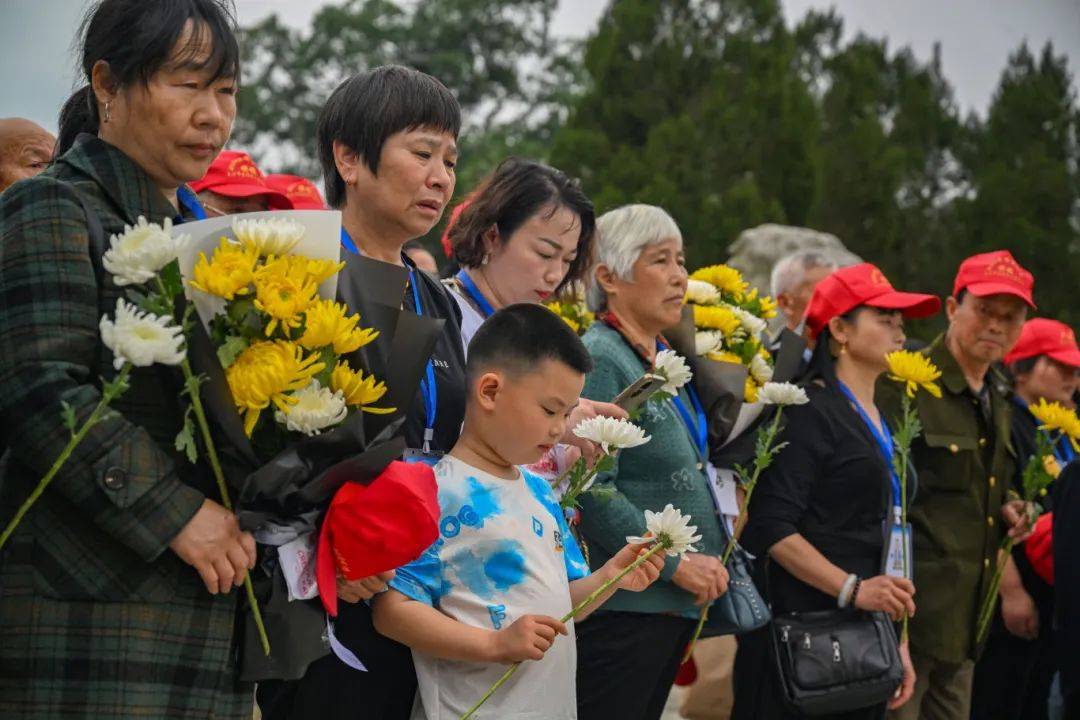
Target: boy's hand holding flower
point(640, 577)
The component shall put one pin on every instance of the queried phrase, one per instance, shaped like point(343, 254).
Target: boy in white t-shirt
point(490, 590)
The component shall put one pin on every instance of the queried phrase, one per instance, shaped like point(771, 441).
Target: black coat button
point(115, 478)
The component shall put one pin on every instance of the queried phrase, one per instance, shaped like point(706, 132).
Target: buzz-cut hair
point(371, 106)
point(519, 337)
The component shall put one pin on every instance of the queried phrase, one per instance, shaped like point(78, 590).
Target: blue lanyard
point(428, 388)
point(1063, 451)
point(883, 438)
point(347, 242)
point(473, 292)
point(186, 199)
point(699, 432)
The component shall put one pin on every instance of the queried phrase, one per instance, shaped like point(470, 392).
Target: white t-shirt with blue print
point(504, 551)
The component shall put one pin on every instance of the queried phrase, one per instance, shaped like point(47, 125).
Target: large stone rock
point(756, 250)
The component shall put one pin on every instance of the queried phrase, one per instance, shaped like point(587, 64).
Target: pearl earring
point(108, 114)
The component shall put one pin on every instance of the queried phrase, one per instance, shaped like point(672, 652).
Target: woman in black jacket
point(821, 509)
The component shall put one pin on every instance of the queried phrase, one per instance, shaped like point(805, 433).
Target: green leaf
point(68, 414)
point(229, 349)
point(185, 439)
point(172, 280)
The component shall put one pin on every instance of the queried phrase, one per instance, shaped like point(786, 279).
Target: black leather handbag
point(741, 609)
point(834, 661)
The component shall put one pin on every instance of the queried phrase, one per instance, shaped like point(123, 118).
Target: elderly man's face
point(25, 150)
point(793, 304)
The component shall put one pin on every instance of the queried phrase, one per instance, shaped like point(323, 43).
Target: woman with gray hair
point(629, 652)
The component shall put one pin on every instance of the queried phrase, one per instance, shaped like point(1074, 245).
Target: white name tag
point(298, 565)
point(899, 539)
point(722, 485)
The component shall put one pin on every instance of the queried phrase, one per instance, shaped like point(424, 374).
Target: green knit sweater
point(664, 470)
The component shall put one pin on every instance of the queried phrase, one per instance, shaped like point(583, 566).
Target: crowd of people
point(117, 594)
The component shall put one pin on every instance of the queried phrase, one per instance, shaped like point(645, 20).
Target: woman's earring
point(108, 114)
point(487, 258)
point(843, 348)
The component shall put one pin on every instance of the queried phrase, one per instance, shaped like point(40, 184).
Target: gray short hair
point(790, 270)
point(622, 234)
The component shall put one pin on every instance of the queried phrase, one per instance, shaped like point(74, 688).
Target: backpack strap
point(96, 234)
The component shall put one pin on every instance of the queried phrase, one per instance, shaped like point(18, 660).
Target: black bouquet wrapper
point(294, 486)
point(721, 388)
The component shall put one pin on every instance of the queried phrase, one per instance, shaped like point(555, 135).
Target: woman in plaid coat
point(116, 589)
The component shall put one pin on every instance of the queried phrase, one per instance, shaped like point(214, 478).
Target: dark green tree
point(1023, 162)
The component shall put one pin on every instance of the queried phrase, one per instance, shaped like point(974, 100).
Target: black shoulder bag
point(835, 661)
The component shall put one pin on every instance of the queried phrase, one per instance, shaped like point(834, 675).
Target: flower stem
point(590, 599)
point(110, 392)
point(211, 454)
point(904, 455)
point(740, 523)
point(191, 382)
point(989, 604)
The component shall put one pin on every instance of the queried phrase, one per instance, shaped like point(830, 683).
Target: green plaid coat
point(98, 618)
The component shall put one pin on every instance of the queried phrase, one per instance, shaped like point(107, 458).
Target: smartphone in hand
point(639, 391)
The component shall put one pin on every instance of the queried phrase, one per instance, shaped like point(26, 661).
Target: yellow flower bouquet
point(571, 307)
point(731, 320)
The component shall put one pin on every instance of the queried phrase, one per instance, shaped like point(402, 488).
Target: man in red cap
point(1014, 674)
point(964, 505)
point(234, 184)
point(301, 192)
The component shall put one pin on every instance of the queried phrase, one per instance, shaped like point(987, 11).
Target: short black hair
point(519, 337)
point(371, 106)
point(517, 190)
point(137, 38)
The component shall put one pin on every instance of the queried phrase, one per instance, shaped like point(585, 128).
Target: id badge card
point(899, 540)
point(722, 486)
point(429, 458)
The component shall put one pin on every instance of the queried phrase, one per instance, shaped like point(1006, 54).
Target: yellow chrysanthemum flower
point(327, 323)
point(264, 373)
point(228, 273)
point(359, 391)
point(768, 308)
point(914, 370)
point(750, 390)
point(284, 291)
point(725, 278)
point(1054, 417)
point(310, 269)
point(725, 356)
point(716, 318)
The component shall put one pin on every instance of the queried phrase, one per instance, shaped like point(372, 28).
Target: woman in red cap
point(819, 511)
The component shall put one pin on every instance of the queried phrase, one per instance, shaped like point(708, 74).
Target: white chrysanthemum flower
point(611, 433)
point(316, 409)
point(141, 338)
point(708, 341)
point(754, 325)
point(136, 255)
point(700, 292)
point(270, 236)
point(670, 528)
point(674, 369)
point(782, 394)
point(760, 370)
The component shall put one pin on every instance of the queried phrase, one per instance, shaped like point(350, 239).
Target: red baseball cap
point(235, 174)
point(301, 192)
point(994, 273)
point(862, 284)
point(1043, 336)
point(370, 529)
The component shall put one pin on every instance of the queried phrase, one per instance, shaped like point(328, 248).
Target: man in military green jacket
point(964, 461)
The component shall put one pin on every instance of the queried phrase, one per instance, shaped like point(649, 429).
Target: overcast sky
point(36, 62)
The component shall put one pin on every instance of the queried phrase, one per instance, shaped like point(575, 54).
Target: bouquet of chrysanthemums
point(304, 400)
point(731, 320)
